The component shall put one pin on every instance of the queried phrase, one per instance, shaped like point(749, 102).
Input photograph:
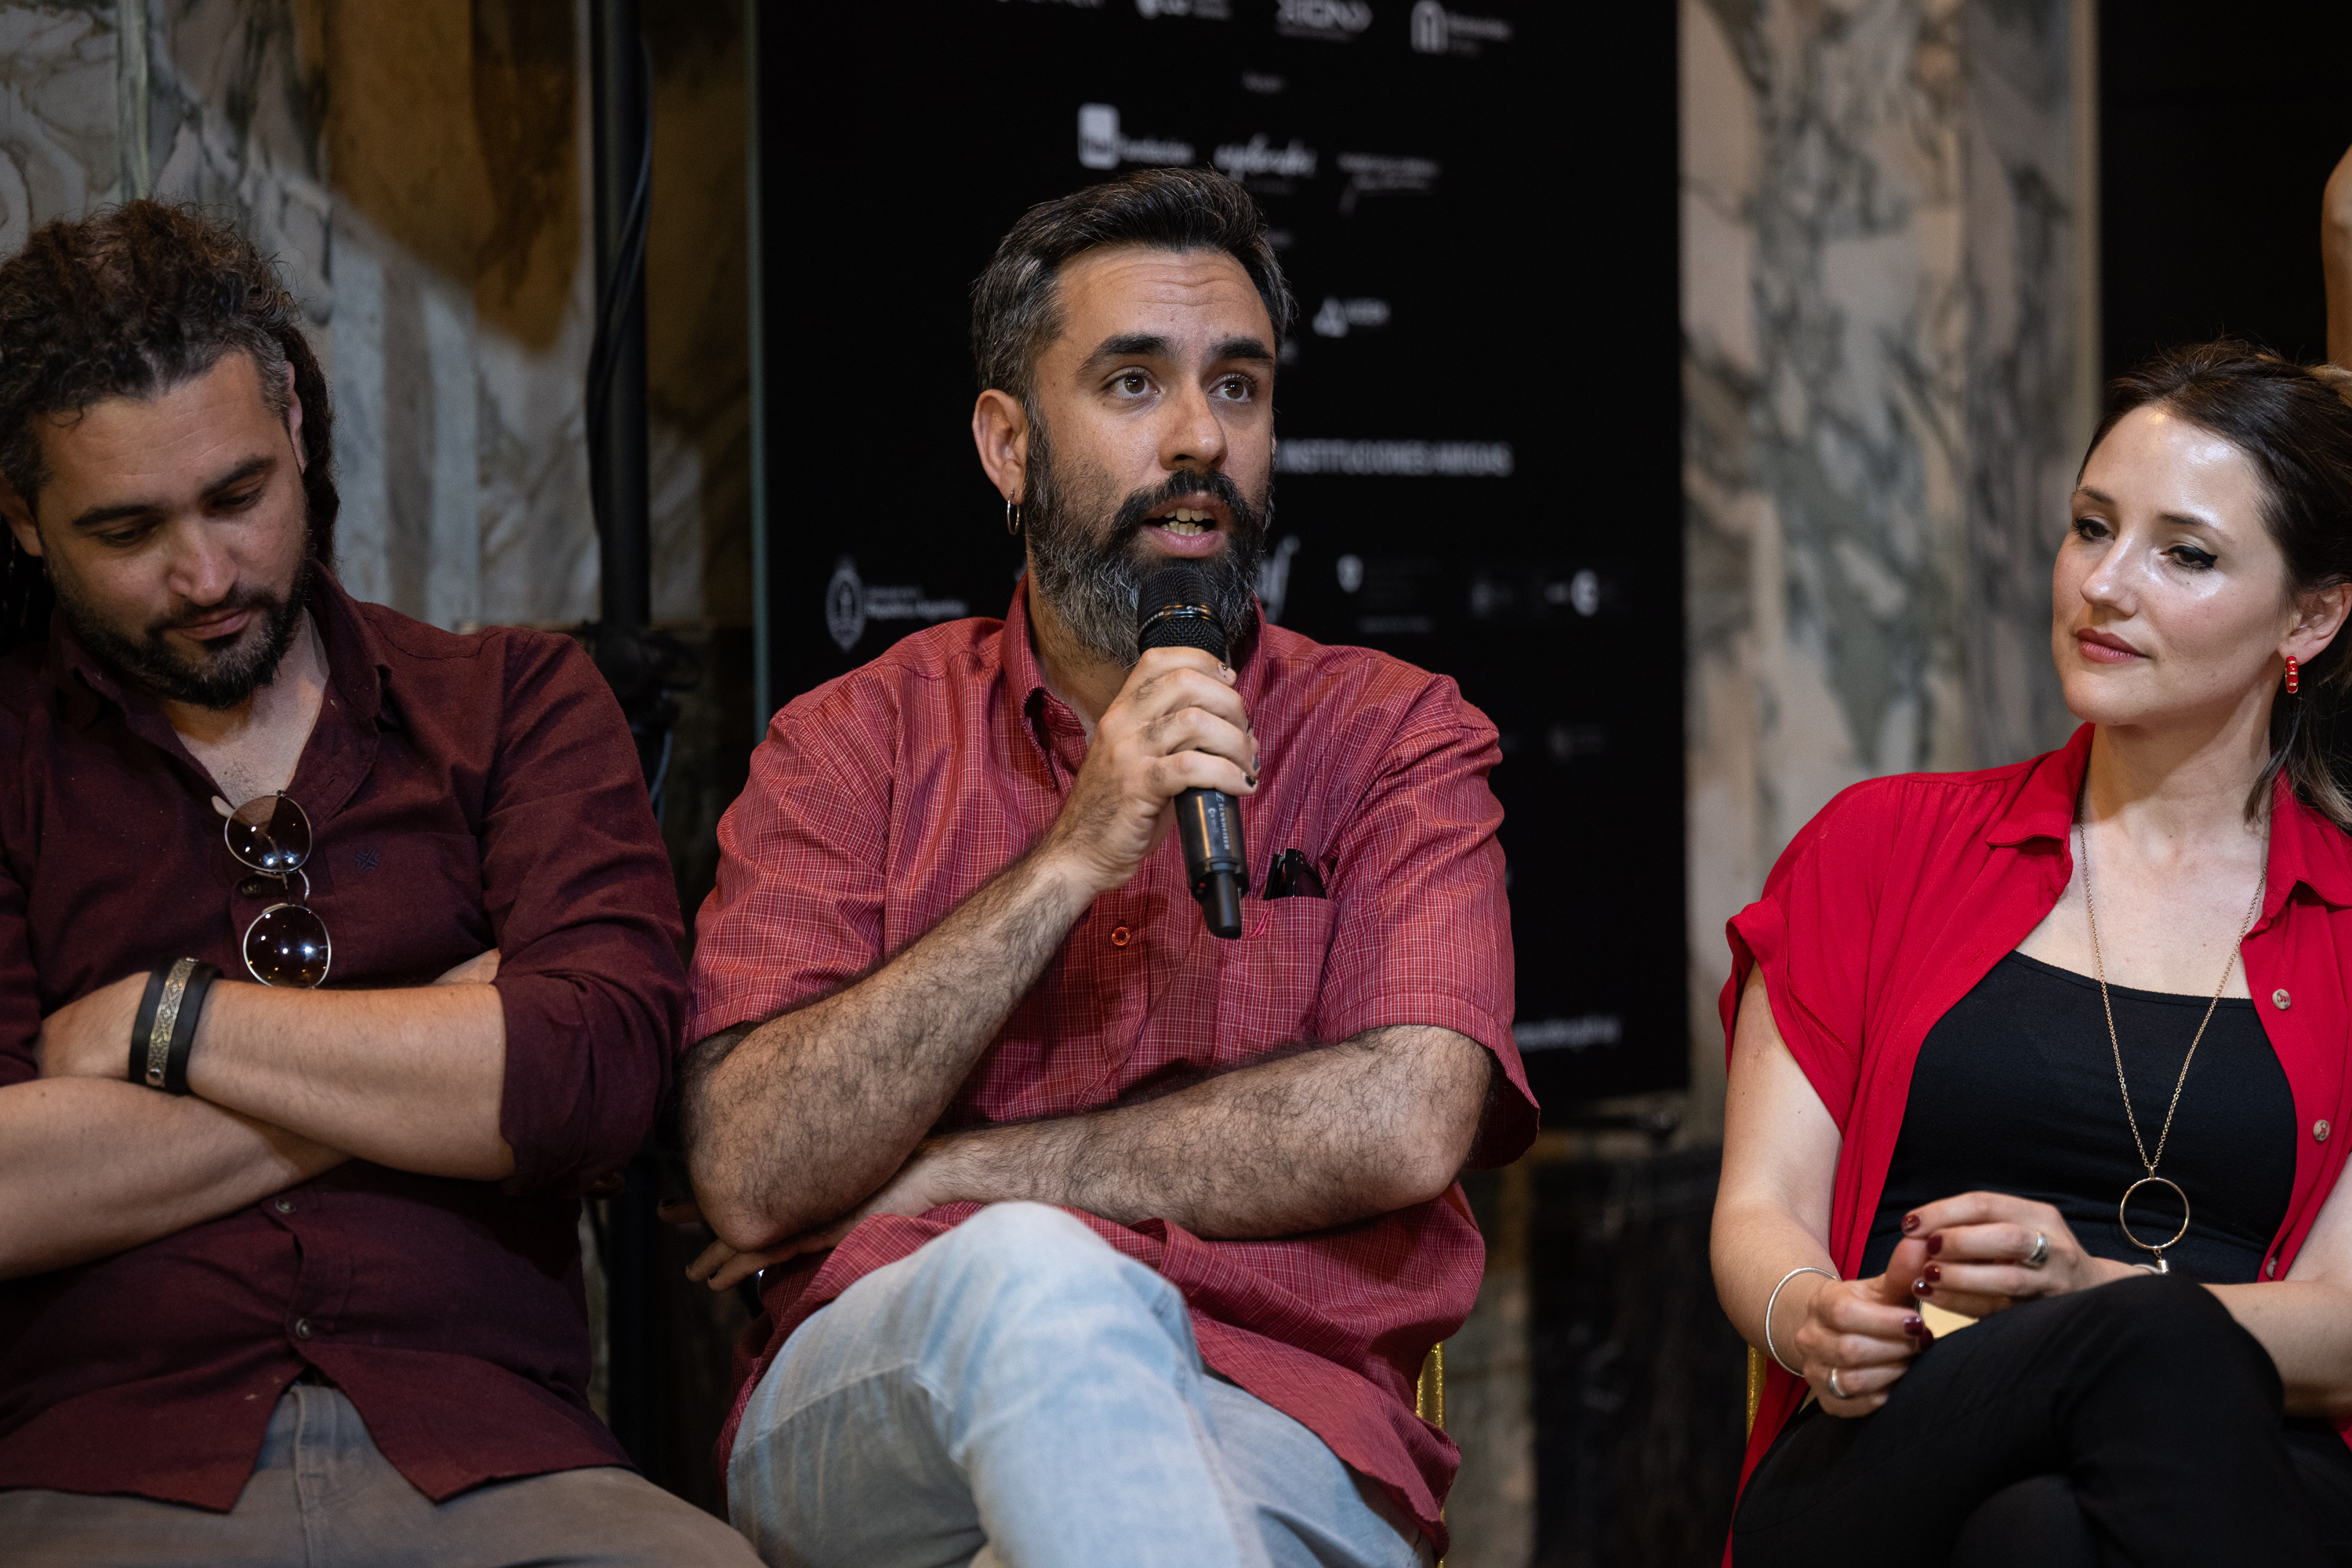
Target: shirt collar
point(2305, 847)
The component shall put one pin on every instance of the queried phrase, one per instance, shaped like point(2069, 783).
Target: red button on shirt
point(1890, 905)
point(881, 800)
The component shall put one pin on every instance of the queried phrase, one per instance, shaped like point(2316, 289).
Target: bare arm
point(1374, 1124)
point(1301, 1143)
point(793, 1123)
point(88, 1168)
point(2335, 259)
point(2305, 1320)
point(1772, 1214)
point(408, 1079)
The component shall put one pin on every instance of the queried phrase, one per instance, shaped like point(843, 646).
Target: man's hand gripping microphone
point(1175, 612)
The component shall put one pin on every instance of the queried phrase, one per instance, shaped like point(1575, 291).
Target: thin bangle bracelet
point(1791, 1274)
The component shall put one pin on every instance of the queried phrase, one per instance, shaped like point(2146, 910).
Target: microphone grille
point(1174, 611)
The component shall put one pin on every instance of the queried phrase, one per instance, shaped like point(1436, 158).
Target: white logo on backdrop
point(1438, 31)
point(1338, 318)
point(1242, 160)
point(1352, 574)
point(1101, 144)
point(845, 605)
point(1570, 1034)
point(1410, 459)
point(1274, 577)
point(1337, 19)
point(1371, 175)
point(850, 603)
point(1203, 10)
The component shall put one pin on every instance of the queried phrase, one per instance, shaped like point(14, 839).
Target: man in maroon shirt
point(1079, 1248)
point(290, 1273)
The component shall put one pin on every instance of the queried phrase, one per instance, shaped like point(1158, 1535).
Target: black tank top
point(2015, 1092)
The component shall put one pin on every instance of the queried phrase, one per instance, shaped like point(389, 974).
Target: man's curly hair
point(130, 301)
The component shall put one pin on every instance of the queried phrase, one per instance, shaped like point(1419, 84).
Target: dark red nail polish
point(1921, 1288)
point(1934, 1273)
point(1914, 1326)
point(1910, 1222)
point(1934, 1243)
point(1926, 1338)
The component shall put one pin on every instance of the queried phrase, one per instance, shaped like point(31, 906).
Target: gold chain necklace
point(2091, 905)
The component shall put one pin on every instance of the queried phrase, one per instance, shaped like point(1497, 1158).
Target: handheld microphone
point(1175, 612)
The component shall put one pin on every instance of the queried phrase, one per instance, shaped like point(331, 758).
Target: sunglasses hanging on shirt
point(286, 943)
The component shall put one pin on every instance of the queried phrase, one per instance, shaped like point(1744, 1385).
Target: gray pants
point(322, 1496)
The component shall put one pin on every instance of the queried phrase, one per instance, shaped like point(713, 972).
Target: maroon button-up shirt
point(880, 801)
point(465, 792)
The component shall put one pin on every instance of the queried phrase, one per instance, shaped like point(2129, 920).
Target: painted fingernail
point(1910, 1222)
point(1914, 1326)
point(1934, 1243)
point(1921, 1288)
point(1926, 1338)
point(1935, 1273)
point(1252, 781)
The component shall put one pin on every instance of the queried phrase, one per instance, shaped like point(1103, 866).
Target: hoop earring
point(2290, 675)
point(1012, 522)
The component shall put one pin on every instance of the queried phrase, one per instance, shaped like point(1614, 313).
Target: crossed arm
point(1779, 1162)
point(799, 1128)
point(285, 1085)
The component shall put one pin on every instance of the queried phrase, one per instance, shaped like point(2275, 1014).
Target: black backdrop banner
point(1477, 411)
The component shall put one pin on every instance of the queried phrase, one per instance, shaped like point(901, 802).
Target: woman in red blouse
point(1973, 1011)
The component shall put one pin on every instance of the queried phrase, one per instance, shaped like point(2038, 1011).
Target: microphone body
point(1175, 611)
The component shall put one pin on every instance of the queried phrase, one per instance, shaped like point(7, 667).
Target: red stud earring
point(2290, 675)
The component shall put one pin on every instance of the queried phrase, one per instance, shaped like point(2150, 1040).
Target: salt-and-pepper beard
point(1093, 570)
point(151, 664)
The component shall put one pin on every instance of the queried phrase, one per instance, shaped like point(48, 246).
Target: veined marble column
point(1886, 382)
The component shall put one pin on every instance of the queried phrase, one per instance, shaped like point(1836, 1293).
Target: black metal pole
point(616, 482)
point(616, 422)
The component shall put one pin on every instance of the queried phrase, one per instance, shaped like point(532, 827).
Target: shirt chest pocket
point(1269, 979)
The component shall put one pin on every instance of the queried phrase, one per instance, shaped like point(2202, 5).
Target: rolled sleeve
point(1423, 933)
point(580, 893)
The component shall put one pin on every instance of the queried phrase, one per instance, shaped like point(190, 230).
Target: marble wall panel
point(1883, 331)
point(420, 169)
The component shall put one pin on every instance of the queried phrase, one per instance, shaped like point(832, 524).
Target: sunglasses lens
point(269, 834)
point(286, 945)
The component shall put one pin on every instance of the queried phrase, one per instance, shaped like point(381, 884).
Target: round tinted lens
point(286, 945)
point(269, 834)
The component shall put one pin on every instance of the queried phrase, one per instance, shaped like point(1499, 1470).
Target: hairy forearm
point(88, 1167)
point(799, 1120)
point(2306, 1325)
point(409, 1079)
point(1375, 1124)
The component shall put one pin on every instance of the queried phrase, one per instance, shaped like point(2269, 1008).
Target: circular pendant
point(2124, 1224)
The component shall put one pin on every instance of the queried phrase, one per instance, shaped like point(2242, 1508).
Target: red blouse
point(1905, 891)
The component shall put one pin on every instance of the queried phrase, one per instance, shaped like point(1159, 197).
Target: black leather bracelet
point(144, 1023)
point(166, 1025)
point(183, 1035)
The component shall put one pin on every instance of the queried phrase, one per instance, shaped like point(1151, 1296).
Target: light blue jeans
point(1018, 1394)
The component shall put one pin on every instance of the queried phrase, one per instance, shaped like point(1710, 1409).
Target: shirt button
point(301, 1328)
point(285, 1206)
point(1121, 936)
point(2319, 1132)
point(2281, 1000)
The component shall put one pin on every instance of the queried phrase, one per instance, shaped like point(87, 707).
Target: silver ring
point(1841, 1392)
point(2040, 1253)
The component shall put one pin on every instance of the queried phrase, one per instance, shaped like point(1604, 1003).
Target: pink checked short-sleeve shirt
point(882, 799)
